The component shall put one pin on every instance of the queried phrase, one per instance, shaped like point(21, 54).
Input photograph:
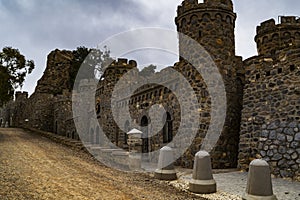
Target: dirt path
point(34, 167)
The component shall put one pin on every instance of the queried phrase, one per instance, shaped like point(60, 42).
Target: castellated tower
point(18, 116)
point(271, 109)
point(212, 24)
point(272, 37)
point(104, 92)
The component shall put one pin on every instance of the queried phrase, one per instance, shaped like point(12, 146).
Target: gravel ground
point(33, 167)
point(232, 186)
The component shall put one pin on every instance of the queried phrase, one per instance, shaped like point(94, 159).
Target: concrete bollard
point(202, 181)
point(135, 161)
point(165, 168)
point(259, 184)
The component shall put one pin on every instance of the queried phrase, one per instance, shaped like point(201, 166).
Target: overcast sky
point(36, 27)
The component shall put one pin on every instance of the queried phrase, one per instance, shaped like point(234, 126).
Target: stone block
point(135, 161)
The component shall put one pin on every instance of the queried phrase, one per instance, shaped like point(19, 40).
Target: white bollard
point(202, 181)
point(259, 184)
point(165, 168)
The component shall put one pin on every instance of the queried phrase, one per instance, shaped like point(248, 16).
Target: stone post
point(202, 181)
point(135, 143)
point(259, 184)
point(165, 168)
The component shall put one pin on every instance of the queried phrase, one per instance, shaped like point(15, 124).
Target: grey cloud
point(36, 27)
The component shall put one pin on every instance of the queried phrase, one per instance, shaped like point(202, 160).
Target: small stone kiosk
point(135, 144)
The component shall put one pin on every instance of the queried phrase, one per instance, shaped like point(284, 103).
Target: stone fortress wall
point(270, 127)
point(262, 119)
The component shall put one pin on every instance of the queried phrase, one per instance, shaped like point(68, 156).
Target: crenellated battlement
point(21, 95)
point(286, 22)
point(188, 5)
point(123, 62)
point(272, 37)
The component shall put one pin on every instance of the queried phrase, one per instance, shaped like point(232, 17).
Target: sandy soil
point(34, 167)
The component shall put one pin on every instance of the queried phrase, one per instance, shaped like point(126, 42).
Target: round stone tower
point(272, 37)
point(210, 23)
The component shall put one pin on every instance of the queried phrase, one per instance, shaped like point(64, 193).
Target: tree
point(13, 70)
point(148, 71)
point(94, 61)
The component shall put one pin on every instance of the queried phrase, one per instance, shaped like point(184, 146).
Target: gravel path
point(34, 167)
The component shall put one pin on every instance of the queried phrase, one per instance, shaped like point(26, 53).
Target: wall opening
point(92, 136)
point(56, 128)
point(144, 125)
point(127, 129)
point(167, 130)
point(97, 135)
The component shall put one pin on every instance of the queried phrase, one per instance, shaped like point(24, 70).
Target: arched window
point(127, 129)
point(167, 130)
point(144, 125)
point(92, 136)
point(97, 135)
point(56, 128)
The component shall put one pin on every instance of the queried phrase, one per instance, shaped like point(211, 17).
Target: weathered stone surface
point(271, 87)
point(265, 86)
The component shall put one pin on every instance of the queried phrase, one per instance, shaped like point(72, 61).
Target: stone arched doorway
point(56, 127)
point(126, 129)
point(97, 135)
point(92, 136)
point(144, 125)
point(168, 128)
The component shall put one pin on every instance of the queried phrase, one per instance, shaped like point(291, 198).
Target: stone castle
point(263, 94)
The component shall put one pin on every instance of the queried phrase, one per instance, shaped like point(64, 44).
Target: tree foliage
point(148, 71)
point(94, 61)
point(13, 70)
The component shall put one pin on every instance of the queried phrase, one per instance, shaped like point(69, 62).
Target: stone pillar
point(135, 144)
point(165, 168)
point(202, 181)
point(259, 185)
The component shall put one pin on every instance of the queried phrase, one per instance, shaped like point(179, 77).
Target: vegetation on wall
point(94, 61)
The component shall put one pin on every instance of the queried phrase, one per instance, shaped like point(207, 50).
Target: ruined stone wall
point(57, 74)
point(62, 111)
point(104, 94)
point(270, 126)
point(18, 115)
point(139, 105)
point(37, 111)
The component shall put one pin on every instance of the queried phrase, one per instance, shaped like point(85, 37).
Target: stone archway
point(127, 129)
point(56, 127)
point(92, 136)
point(168, 128)
point(144, 125)
point(98, 135)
